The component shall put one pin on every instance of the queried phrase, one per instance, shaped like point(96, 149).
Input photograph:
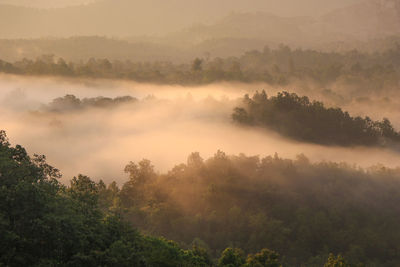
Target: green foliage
point(43, 223)
point(339, 261)
point(299, 118)
point(265, 258)
point(299, 209)
point(336, 261)
point(231, 257)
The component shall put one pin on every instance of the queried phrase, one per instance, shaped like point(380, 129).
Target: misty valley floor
point(175, 122)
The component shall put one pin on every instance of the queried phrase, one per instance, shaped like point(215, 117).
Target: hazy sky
point(45, 3)
point(125, 18)
point(283, 7)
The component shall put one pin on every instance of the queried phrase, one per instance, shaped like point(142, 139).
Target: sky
point(45, 3)
point(280, 7)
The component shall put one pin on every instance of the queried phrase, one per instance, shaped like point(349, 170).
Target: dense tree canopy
point(299, 118)
point(304, 211)
point(44, 223)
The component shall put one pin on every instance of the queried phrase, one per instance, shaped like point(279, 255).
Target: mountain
point(258, 25)
point(365, 20)
point(140, 17)
point(157, 33)
point(344, 28)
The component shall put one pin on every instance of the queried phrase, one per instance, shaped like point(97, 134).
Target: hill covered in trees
point(300, 209)
point(301, 119)
point(46, 223)
point(365, 72)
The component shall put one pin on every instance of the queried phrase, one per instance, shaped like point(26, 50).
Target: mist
point(199, 133)
point(165, 125)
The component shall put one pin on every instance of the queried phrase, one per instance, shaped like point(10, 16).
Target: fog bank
point(165, 126)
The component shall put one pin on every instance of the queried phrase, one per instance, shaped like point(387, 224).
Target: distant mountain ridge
point(246, 25)
point(368, 19)
point(137, 17)
point(371, 19)
point(344, 28)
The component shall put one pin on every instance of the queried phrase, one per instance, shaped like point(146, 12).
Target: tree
point(338, 261)
point(265, 258)
point(84, 189)
point(197, 65)
point(231, 257)
point(141, 175)
point(240, 115)
point(195, 160)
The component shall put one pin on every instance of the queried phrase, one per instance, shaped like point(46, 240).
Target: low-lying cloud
point(165, 125)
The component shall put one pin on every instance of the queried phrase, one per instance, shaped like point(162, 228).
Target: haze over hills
point(133, 30)
point(282, 7)
point(86, 47)
point(365, 20)
point(362, 21)
point(266, 128)
point(260, 25)
point(135, 18)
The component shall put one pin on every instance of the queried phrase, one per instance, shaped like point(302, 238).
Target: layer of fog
point(165, 126)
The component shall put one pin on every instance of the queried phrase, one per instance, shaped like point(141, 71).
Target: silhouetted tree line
point(278, 67)
point(299, 118)
point(71, 103)
point(300, 209)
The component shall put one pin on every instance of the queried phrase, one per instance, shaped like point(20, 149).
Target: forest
point(200, 133)
point(299, 118)
point(225, 210)
point(46, 223)
point(302, 210)
point(280, 66)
